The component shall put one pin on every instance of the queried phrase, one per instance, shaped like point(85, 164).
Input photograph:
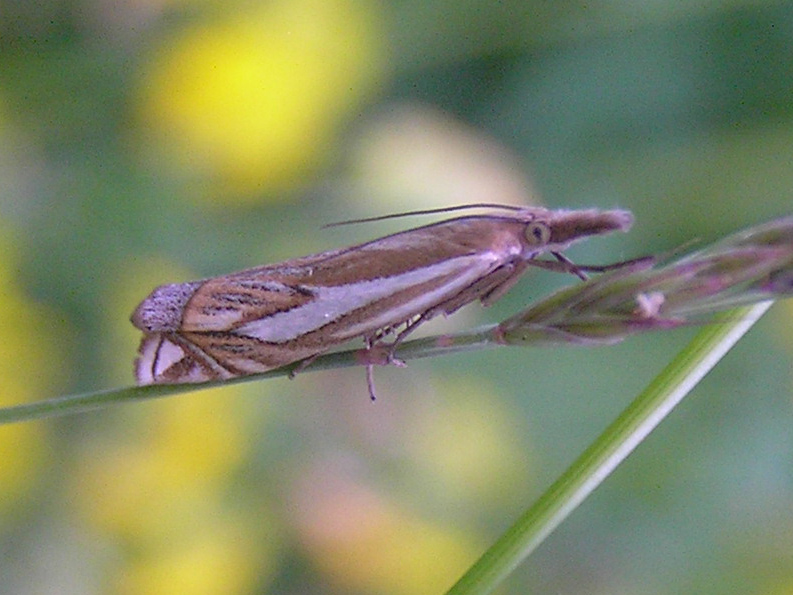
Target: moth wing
point(201, 357)
point(224, 303)
point(473, 247)
point(241, 354)
point(166, 359)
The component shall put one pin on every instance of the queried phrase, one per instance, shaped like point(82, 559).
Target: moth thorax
point(162, 310)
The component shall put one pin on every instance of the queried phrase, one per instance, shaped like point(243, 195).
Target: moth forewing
point(267, 317)
point(171, 360)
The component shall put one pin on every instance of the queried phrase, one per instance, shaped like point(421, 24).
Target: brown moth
point(270, 316)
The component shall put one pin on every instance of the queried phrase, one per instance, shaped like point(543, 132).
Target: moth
point(267, 317)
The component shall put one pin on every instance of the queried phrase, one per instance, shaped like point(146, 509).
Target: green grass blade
point(609, 450)
point(80, 403)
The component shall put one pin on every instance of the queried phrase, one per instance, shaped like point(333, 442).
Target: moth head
point(556, 230)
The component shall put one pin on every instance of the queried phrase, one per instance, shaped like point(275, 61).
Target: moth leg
point(578, 270)
point(382, 354)
point(641, 260)
point(410, 326)
point(488, 289)
point(495, 284)
point(573, 268)
point(374, 354)
point(370, 382)
point(383, 333)
point(492, 287)
point(507, 283)
point(302, 365)
point(565, 265)
point(369, 341)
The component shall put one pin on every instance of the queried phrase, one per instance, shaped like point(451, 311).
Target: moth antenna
point(479, 205)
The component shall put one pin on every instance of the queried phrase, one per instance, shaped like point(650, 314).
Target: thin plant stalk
point(751, 266)
point(612, 447)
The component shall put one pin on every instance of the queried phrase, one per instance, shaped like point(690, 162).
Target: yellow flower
point(253, 102)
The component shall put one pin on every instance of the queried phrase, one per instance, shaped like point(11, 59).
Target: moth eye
point(538, 234)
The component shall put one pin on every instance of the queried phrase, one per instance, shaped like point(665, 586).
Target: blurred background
point(145, 142)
